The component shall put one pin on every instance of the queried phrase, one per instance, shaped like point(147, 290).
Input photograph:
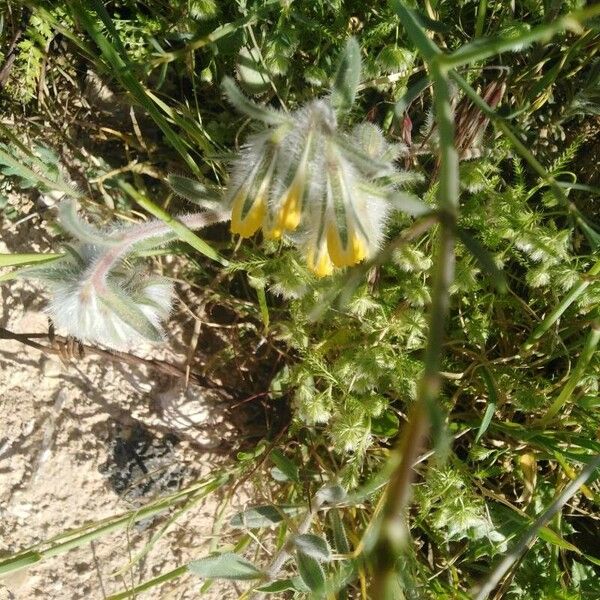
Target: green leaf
point(340, 539)
point(263, 306)
point(285, 465)
point(331, 493)
point(81, 230)
point(314, 546)
point(16, 166)
point(413, 92)
point(311, 571)
point(557, 540)
point(282, 585)
point(347, 77)
point(481, 49)
point(15, 563)
point(267, 515)
point(183, 232)
point(130, 313)
point(415, 31)
point(386, 425)
point(12, 260)
point(490, 384)
point(247, 107)
point(252, 74)
point(192, 190)
point(410, 204)
point(225, 566)
point(485, 260)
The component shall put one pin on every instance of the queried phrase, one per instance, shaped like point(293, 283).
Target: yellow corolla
point(288, 216)
point(247, 224)
point(352, 253)
point(318, 261)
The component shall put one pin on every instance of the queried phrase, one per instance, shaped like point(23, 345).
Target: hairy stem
point(99, 271)
point(392, 526)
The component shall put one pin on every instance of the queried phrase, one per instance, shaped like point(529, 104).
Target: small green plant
point(415, 188)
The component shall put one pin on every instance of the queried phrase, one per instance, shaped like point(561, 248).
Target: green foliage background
point(349, 365)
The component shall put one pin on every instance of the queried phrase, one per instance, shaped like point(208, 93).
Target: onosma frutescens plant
point(329, 191)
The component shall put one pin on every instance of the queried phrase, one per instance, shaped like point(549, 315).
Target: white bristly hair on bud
point(95, 298)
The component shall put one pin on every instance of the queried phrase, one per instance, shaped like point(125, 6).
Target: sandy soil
point(66, 440)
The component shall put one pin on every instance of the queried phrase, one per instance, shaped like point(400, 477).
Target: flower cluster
point(327, 190)
point(95, 297)
point(126, 308)
point(302, 177)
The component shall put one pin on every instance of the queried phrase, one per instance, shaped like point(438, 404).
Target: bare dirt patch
point(90, 439)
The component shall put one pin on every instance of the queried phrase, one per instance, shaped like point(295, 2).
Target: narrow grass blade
point(83, 535)
point(529, 536)
point(553, 316)
point(585, 357)
point(114, 54)
point(482, 49)
point(186, 234)
point(147, 585)
point(490, 384)
point(13, 260)
point(415, 31)
point(413, 92)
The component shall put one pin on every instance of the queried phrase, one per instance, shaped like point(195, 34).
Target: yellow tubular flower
point(318, 262)
point(289, 215)
point(354, 252)
point(248, 224)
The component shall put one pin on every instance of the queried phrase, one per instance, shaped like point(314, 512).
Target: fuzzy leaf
point(252, 74)
point(78, 228)
point(285, 465)
point(129, 312)
point(340, 539)
point(331, 493)
point(267, 515)
point(192, 190)
point(294, 584)
point(314, 546)
point(311, 571)
point(225, 566)
point(247, 107)
point(410, 204)
point(347, 77)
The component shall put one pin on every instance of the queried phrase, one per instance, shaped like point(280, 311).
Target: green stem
point(481, 12)
point(529, 536)
point(392, 528)
point(146, 585)
point(588, 351)
point(552, 317)
point(179, 228)
point(71, 540)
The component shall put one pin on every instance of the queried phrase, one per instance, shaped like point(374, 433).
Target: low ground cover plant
point(409, 198)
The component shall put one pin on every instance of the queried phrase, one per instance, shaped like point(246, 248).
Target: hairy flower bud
point(95, 296)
